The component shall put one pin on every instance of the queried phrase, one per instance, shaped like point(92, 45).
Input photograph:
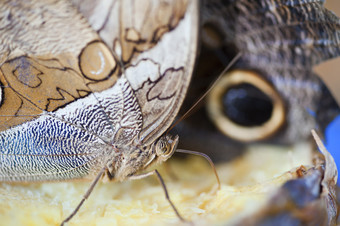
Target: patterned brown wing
point(140, 34)
point(280, 42)
point(77, 96)
point(45, 63)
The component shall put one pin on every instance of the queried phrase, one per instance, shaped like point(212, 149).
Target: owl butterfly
point(89, 87)
point(272, 91)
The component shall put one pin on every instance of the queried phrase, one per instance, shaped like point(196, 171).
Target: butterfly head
point(165, 147)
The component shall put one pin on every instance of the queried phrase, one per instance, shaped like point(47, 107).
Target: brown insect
point(88, 88)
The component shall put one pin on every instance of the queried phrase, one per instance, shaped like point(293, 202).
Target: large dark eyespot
point(245, 106)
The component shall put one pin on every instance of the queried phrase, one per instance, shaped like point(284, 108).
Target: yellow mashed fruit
point(246, 184)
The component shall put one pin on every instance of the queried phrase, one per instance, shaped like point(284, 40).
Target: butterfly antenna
point(207, 158)
point(231, 63)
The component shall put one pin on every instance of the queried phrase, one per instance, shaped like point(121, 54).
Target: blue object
point(332, 135)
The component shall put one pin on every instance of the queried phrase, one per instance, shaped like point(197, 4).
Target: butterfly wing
point(70, 93)
point(281, 41)
point(151, 36)
point(284, 44)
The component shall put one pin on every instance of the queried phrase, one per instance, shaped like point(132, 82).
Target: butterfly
point(272, 93)
point(89, 87)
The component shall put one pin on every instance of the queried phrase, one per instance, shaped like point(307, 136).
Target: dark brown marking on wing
point(167, 85)
point(14, 109)
point(32, 85)
point(156, 23)
point(54, 104)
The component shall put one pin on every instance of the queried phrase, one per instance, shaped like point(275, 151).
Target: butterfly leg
point(155, 172)
point(87, 194)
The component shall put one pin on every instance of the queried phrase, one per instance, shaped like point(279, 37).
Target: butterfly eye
point(166, 146)
point(166, 149)
point(245, 107)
